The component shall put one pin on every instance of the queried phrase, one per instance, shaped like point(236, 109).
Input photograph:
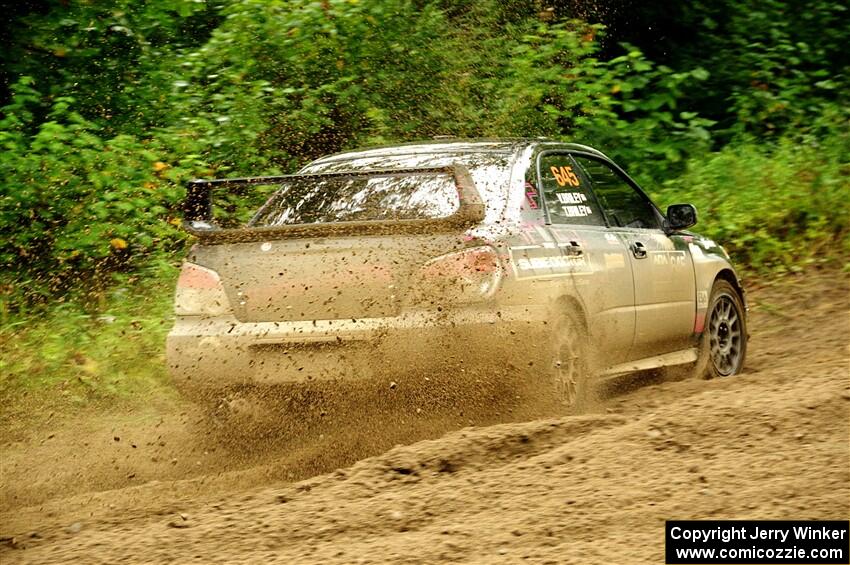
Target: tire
point(723, 345)
point(569, 361)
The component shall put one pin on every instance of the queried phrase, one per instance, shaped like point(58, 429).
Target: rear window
point(567, 192)
point(391, 196)
point(491, 171)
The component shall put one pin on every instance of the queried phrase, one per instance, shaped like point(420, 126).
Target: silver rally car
point(502, 249)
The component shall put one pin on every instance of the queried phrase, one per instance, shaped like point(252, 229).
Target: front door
point(664, 287)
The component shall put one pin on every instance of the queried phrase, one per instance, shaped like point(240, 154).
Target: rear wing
point(198, 217)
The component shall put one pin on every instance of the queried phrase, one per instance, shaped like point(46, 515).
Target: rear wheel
point(723, 346)
point(569, 370)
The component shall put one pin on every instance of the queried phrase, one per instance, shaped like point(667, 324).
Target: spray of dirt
point(592, 488)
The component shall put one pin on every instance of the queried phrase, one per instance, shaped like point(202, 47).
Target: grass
point(74, 354)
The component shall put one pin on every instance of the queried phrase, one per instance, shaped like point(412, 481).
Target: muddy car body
point(418, 253)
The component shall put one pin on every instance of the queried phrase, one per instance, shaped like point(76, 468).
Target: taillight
point(464, 276)
point(200, 292)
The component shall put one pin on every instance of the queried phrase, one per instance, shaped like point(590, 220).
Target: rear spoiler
point(198, 209)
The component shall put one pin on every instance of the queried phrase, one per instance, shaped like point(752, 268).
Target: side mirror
point(681, 216)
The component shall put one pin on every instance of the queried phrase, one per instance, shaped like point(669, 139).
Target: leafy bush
point(555, 85)
point(121, 102)
point(75, 205)
point(284, 81)
point(784, 63)
point(775, 66)
point(774, 207)
point(116, 58)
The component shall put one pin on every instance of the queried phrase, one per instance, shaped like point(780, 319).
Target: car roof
point(496, 146)
point(496, 195)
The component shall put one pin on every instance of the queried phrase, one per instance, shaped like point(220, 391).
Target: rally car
point(523, 248)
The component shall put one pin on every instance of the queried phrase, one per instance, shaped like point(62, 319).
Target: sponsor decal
point(531, 195)
point(551, 262)
point(706, 243)
point(672, 258)
point(699, 323)
point(571, 197)
point(576, 211)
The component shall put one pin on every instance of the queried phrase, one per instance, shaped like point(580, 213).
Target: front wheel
point(723, 346)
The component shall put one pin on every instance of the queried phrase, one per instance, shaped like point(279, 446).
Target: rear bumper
point(205, 353)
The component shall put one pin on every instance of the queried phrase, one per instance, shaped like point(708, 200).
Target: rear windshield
point(491, 171)
point(391, 196)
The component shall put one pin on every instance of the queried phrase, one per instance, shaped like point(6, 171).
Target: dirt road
point(592, 488)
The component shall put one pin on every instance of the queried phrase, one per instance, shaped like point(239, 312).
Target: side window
point(567, 192)
point(623, 205)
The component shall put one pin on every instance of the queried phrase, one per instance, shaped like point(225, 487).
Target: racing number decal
point(568, 200)
point(565, 176)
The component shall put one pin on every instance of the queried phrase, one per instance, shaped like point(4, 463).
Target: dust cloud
point(596, 487)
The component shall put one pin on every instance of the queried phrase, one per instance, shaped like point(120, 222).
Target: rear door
point(664, 288)
point(591, 262)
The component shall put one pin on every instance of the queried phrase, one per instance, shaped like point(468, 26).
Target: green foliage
point(556, 86)
point(114, 58)
point(776, 65)
point(282, 81)
point(74, 205)
point(80, 355)
point(113, 105)
point(773, 207)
